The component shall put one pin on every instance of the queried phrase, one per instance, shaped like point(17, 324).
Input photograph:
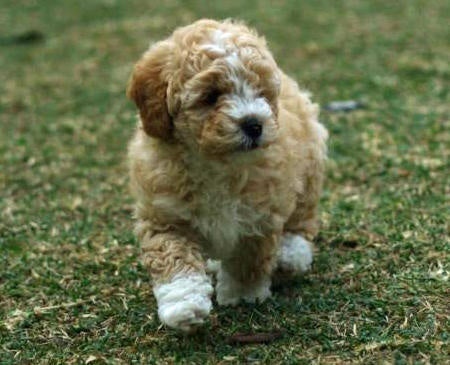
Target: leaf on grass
point(90, 359)
point(25, 38)
point(344, 106)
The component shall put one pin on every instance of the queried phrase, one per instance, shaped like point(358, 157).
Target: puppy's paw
point(295, 254)
point(185, 302)
point(230, 292)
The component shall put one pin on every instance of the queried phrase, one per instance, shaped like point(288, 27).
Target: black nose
point(252, 127)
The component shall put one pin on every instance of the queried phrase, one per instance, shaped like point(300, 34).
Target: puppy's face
point(212, 87)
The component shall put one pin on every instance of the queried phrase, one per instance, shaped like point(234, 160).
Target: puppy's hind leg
point(295, 253)
point(247, 274)
point(181, 287)
point(296, 250)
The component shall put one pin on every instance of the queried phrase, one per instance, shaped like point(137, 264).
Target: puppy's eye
point(212, 96)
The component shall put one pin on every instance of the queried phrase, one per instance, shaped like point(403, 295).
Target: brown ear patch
point(148, 89)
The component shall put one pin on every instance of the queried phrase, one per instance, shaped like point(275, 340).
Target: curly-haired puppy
point(226, 164)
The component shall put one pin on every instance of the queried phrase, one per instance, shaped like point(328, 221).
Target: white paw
point(230, 292)
point(184, 302)
point(295, 254)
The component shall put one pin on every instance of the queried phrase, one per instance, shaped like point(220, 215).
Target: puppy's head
point(211, 86)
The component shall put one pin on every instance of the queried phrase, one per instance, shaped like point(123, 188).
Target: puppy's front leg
point(246, 275)
point(181, 287)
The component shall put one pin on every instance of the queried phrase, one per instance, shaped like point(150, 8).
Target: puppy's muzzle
point(253, 129)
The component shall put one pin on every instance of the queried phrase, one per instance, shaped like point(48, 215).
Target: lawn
point(71, 286)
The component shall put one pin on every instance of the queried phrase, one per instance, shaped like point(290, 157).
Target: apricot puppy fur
point(226, 164)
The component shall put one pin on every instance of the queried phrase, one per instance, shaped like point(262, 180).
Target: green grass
point(71, 287)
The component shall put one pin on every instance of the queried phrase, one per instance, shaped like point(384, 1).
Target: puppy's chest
point(224, 216)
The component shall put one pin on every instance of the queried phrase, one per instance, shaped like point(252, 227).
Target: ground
point(71, 286)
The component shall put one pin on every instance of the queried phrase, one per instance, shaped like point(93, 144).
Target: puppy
point(226, 164)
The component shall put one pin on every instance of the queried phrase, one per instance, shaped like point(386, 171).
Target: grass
point(71, 287)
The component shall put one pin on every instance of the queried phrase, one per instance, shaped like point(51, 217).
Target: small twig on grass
point(252, 338)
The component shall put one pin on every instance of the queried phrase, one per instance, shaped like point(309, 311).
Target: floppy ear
point(148, 89)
